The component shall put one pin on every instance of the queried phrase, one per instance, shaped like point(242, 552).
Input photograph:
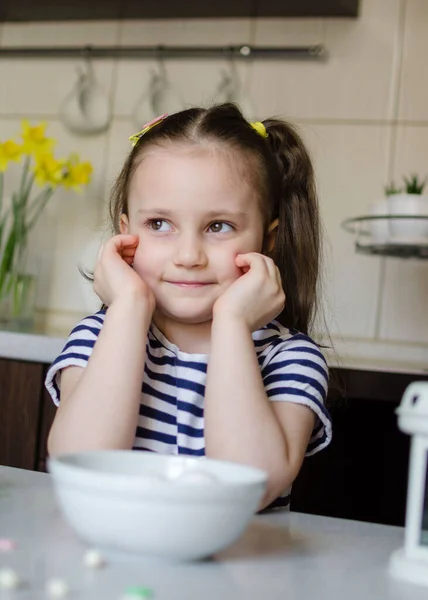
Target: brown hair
point(282, 171)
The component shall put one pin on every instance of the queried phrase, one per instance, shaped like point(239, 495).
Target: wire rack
point(367, 241)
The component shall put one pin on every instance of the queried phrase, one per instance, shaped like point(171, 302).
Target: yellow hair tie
point(134, 138)
point(260, 128)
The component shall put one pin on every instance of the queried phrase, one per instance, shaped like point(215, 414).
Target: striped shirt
point(171, 416)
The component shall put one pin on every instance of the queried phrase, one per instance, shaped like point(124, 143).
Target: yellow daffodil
point(9, 150)
point(76, 173)
point(35, 141)
point(48, 170)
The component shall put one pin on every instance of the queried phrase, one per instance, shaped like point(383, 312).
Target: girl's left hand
point(257, 296)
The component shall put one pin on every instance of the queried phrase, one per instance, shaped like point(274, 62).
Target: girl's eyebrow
point(160, 212)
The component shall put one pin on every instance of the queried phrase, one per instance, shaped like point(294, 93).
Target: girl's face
point(194, 210)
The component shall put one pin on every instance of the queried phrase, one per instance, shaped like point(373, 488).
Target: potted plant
point(408, 201)
point(20, 211)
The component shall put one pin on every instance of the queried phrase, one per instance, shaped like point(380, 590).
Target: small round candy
point(57, 588)
point(137, 593)
point(93, 559)
point(7, 545)
point(9, 579)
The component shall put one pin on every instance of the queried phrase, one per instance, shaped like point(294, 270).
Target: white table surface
point(282, 556)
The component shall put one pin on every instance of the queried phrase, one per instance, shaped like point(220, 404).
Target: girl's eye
point(158, 225)
point(221, 227)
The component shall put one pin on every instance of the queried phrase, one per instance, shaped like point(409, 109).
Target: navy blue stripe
point(93, 330)
point(192, 386)
point(176, 362)
point(176, 382)
point(162, 360)
point(151, 391)
point(70, 355)
point(149, 434)
point(314, 383)
point(157, 415)
point(191, 452)
point(273, 325)
point(310, 350)
point(98, 319)
point(190, 408)
point(163, 377)
point(289, 391)
point(304, 338)
point(269, 340)
point(142, 449)
point(303, 362)
point(312, 445)
point(190, 431)
point(79, 344)
point(197, 366)
point(154, 343)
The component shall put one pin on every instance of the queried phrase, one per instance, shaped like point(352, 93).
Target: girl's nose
point(190, 252)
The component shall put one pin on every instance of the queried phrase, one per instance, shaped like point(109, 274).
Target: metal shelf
point(365, 244)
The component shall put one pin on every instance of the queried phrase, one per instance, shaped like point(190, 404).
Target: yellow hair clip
point(134, 138)
point(260, 128)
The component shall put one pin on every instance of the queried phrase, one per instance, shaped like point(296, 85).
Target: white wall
point(364, 114)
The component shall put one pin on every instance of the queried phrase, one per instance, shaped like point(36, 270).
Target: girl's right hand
point(113, 275)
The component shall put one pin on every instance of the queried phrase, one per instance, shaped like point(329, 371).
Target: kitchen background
point(363, 113)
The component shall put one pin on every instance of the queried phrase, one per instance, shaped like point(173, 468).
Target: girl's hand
point(257, 296)
point(114, 277)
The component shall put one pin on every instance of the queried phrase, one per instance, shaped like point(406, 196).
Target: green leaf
point(414, 185)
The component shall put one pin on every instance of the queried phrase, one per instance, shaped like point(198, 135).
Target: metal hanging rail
point(316, 52)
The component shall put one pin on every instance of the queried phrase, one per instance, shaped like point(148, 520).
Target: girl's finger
point(271, 267)
point(124, 240)
point(252, 260)
point(128, 252)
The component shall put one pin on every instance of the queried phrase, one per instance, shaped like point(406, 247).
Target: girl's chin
point(184, 317)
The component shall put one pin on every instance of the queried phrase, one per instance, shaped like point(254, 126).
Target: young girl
point(200, 351)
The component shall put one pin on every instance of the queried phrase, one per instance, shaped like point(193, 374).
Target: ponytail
point(296, 248)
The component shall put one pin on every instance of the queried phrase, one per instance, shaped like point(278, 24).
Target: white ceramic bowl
point(134, 503)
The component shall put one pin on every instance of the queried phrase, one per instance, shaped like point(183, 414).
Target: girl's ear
point(271, 236)
point(124, 223)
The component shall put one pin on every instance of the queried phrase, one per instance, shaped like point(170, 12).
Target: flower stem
point(1, 194)
point(37, 207)
point(22, 186)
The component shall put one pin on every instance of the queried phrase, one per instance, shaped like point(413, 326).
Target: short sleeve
point(296, 371)
point(76, 352)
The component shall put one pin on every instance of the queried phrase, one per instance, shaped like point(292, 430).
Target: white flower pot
point(409, 230)
point(379, 228)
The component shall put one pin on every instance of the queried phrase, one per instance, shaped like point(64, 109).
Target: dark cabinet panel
point(363, 474)
point(20, 397)
point(64, 10)
point(47, 414)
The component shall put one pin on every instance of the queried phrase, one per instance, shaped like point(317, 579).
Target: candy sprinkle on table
point(137, 593)
point(7, 545)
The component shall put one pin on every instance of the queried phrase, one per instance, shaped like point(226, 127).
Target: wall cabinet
point(64, 10)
